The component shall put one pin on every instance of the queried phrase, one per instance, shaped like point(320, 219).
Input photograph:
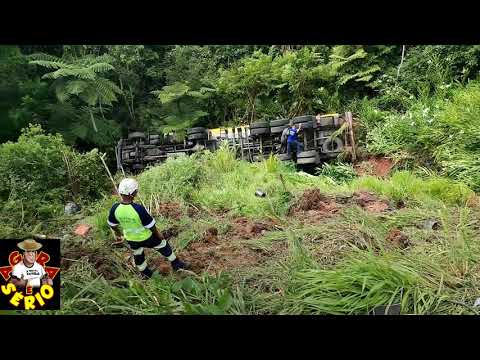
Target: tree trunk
point(93, 120)
point(401, 61)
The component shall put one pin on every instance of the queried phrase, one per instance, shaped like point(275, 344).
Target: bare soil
point(171, 210)
point(379, 166)
point(398, 239)
point(98, 259)
point(370, 202)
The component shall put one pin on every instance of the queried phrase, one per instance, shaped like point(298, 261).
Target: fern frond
point(100, 67)
point(75, 87)
point(48, 64)
point(43, 57)
point(61, 90)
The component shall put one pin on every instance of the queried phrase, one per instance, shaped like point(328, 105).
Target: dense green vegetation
point(60, 106)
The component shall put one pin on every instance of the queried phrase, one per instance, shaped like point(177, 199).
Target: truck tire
point(308, 160)
point(306, 125)
point(277, 129)
point(136, 135)
point(308, 157)
point(197, 136)
point(279, 122)
point(196, 130)
point(259, 125)
point(284, 157)
point(326, 121)
point(302, 119)
point(259, 131)
point(307, 154)
point(332, 145)
point(138, 166)
point(153, 152)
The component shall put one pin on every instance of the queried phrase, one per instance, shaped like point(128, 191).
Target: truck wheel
point(153, 152)
point(332, 145)
point(306, 125)
point(259, 125)
point(284, 157)
point(138, 166)
point(277, 129)
point(196, 130)
point(307, 154)
point(326, 121)
point(302, 119)
point(136, 135)
point(197, 136)
point(308, 160)
point(279, 122)
point(308, 157)
point(259, 131)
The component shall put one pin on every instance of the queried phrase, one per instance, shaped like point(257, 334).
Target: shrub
point(35, 180)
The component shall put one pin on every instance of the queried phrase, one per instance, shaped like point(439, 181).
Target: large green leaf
point(172, 92)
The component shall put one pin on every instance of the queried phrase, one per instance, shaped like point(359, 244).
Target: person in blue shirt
point(292, 139)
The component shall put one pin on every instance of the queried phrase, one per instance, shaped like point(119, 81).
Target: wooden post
point(239, 130)
point(261, 145)
point(350, 125)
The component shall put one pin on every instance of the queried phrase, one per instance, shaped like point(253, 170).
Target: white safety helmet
point(128, 186)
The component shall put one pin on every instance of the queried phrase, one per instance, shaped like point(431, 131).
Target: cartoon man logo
point(29, 273)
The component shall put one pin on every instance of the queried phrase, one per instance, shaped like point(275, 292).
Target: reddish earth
point(375, 166)
point(210, 236)
point(313, 206)
point(215, 253)
point(473, 201)
point(98, 259)
point(244, 228)
point(169, 233)
point(398, 239)
point(82, 229)
point(170, 210)
point(370, 202)
point(193, 211)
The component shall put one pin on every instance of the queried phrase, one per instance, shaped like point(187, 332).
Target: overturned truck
point(323, 137)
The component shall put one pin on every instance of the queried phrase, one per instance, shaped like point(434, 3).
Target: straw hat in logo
point(29, 245)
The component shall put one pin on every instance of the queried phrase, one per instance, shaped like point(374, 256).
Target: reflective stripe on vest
point(133, 229)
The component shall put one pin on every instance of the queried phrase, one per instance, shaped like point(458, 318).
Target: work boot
point(178, 264)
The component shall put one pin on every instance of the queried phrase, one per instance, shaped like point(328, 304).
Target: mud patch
point(160, 264)
point(244, 228)
point(193, 212)
point(370, 202)
point(375, 166)
point(169, 210)
point(313, 206)
point(214, 258)
point(210, 236)
point(169, 233)
point(99, 261)
point(215, 253)
point(398, 239)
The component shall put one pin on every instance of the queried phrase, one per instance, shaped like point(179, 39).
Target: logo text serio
point(29, 302)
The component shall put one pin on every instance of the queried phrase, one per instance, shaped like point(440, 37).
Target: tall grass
point(403, 185)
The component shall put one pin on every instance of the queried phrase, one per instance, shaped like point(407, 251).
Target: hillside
point(400, 226)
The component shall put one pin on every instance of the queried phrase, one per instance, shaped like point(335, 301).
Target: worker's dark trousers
point(295, 144)
point(162, 246)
